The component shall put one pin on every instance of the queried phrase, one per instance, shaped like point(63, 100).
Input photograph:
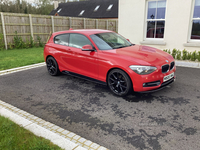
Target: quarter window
point(62, 39)
point(78, 40)
point(156, 19)
point(196, 21)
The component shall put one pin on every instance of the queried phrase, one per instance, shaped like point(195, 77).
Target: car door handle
point(69, 49)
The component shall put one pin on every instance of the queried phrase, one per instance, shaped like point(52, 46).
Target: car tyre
point(119, 82)
point(52, 66)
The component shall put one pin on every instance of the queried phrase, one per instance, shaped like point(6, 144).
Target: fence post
point(107, 24)
point(31, 25)
point(70, 22)
point(96, 24)
point(84, 23)
point(52, 20)
point(4, 30)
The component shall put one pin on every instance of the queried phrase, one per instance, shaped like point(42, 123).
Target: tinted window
point(78, 40)
point(62, 39)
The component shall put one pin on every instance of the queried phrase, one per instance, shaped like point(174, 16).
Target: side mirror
point(87, 48)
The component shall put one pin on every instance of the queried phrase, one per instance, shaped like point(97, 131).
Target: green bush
point(198, 57)
point(178, 56)
point(18, 41)
point(189, 55)
point(27, 44)
point(2, 45)
point(165, 50)
point(39, 41)
point(10, 45)
point(194, 56)
point(174, 53)
point(185, 53)
point(32, 44)
point(169, 51)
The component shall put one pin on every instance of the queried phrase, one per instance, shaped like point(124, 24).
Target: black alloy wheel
point(52, 66)
point(119, 82)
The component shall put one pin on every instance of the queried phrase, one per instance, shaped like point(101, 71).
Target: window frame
point(191, 25)
point(160, 41)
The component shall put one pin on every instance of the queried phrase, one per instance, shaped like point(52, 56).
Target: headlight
point(142, 69)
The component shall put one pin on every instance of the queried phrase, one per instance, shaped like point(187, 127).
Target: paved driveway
point(168, 119)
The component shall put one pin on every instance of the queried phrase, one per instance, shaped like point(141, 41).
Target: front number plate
point(168, 77)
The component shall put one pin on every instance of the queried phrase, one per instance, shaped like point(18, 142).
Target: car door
point(63, 53)
point(85, 62)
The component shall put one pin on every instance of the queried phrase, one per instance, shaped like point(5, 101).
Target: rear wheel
point(52, 66)
point(119, 82)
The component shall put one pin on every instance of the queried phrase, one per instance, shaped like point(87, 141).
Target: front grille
point(165, 68)
point(172, 65)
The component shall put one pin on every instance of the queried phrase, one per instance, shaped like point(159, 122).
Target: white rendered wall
point(132, 15)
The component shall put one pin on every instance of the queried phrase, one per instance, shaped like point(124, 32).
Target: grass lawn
point(14, 137)
point(20, 57)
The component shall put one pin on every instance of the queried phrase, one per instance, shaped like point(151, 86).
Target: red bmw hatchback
point(106, 57)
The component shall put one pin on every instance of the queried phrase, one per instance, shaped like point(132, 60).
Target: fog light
point(150, 84)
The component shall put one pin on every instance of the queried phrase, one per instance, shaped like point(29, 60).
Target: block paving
point(54, 128)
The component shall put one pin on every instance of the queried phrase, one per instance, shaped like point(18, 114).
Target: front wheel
point(119, 82)
point(52, 66)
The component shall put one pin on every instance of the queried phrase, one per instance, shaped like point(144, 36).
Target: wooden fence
point(33, 25)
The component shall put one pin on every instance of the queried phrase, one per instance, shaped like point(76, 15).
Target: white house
point(164, 24)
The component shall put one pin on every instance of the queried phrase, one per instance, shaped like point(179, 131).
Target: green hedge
point(184, 55)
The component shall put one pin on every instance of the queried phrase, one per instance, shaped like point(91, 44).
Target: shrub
point(39, 41)
point(10, 45)
point(174, 52)
point(18, 41)
point(189, 55)
point(194, 56)
point(165, 50)
point(185, 53)
point(32, 44)
point(27, 44)
point(178, 56)
point(2, 45)
point(169, 51)
point(198, 56)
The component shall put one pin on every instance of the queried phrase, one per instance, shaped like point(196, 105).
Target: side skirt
point(84, 77)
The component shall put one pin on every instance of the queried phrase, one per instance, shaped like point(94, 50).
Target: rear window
point(62, 39)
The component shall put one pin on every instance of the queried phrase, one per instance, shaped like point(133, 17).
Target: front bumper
point(151, 82)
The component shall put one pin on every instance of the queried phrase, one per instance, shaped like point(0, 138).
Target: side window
point(62, 39)
point(78, 40)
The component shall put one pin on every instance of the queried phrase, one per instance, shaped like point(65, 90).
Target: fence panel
point(43, 26)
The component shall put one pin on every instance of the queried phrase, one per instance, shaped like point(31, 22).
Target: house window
point(109, 7)
point(59, 10)
point(96, 8)
point(81, 13)
point(156, 19)
point(195, 34)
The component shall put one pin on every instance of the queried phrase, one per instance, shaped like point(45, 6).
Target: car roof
point(82, 31)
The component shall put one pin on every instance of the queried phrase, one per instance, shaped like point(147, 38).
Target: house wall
point(132, 24)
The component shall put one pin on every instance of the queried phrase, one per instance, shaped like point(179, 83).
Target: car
point(108, 58)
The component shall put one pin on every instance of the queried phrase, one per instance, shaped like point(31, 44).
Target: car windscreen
point(109, 40)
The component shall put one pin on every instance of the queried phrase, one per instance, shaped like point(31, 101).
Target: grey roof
point(73, 9)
